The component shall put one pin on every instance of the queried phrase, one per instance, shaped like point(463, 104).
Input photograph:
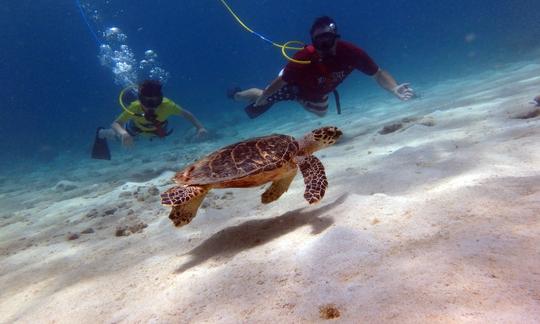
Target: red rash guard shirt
point(322, 76)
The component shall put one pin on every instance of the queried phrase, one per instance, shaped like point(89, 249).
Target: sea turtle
point(253, 162)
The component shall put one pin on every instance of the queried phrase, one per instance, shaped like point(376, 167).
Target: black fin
point(255, 111)
point(100, 150)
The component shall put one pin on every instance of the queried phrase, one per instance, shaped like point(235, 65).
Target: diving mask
point(150, 102)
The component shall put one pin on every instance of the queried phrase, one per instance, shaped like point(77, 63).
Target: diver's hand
point(403, 91)
point(127, 140)
point(261, 101)
point(202, 133)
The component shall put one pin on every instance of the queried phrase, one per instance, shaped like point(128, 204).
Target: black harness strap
point(324, 71)
point(338, 104)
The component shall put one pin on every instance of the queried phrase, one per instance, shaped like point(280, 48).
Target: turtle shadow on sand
point(230, 241)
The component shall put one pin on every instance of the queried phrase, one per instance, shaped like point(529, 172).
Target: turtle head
point(320, 138)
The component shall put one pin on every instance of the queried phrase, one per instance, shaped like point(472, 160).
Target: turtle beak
point(330, 134)
point(335, 133)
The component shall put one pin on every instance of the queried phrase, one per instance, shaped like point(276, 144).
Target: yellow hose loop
point(285, 46)
point(122, 95)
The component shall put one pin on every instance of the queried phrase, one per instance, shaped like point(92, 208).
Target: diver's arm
point(277, 84)
point(202, 133)
point(387, 81)
point(127, 140)
point(192, 119)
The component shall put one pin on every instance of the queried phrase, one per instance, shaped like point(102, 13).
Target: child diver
point(146, 116)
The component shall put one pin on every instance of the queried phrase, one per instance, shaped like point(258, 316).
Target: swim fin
point(255, 111)
point(100, 150)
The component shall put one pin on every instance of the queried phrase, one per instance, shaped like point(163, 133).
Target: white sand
point(438, 222)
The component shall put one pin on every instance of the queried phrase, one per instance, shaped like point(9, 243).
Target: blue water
point(54, 91)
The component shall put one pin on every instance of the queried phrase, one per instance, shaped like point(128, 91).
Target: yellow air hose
point(121, 102)
point(282, 46)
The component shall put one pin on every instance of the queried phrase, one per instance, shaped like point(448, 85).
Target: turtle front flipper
point(278, 188)
point(185, 202)
point(314, 177)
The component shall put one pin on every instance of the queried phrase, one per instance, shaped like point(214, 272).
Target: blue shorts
point(290, 92)
point(133, 130)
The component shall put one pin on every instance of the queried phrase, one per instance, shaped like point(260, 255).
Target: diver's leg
point(317, 108)
point(249, 95)
point(107, 133)
point(284, 93)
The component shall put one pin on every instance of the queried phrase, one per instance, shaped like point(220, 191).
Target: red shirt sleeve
point(360, 59)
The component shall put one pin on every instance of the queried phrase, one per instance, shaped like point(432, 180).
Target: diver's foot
point(232, 91)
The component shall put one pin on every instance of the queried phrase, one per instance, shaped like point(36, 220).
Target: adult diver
point(330, 60)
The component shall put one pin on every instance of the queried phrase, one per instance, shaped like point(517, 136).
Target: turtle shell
point(240, 160)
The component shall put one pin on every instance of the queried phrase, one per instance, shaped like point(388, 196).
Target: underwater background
point(432, 212)
point(55, 91)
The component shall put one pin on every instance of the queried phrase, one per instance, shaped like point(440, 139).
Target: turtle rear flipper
point(185, 202)
point(278, 188)
point(314, 178)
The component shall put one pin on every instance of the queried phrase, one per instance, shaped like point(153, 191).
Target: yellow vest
point(166, 109)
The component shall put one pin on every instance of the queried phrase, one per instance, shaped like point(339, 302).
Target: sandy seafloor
point(436, 222)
